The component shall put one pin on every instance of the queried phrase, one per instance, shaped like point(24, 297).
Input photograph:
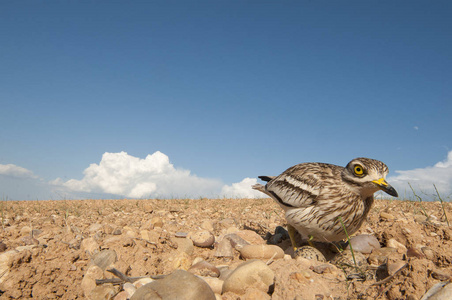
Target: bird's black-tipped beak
point(386, 187)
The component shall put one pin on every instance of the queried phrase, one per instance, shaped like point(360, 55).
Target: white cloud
point(16, 171)
point(422, 179)
point(416, 128)
point(242, 189)
point(133, 177)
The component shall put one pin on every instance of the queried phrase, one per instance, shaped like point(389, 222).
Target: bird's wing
point(302, 184)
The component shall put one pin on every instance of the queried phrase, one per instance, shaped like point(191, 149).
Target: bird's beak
point(385, 187)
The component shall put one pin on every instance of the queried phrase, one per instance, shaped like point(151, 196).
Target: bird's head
point(368, 176)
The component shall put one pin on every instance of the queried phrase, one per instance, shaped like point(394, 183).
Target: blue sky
point(224, 90)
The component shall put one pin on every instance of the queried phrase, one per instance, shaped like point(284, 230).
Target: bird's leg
point(310, 238)
point(292, 233)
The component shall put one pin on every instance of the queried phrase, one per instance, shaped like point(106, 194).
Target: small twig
point(121, 278)
point(271, 259)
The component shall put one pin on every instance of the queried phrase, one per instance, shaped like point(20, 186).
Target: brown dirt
point(55, 268)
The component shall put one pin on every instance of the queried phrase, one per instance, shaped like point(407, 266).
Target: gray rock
point(179, 285)
point(364, 243)
point(440, 291)
point(224, 249)
point(105, 258)
point(236, 241)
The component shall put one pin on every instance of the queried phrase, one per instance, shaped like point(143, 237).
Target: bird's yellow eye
point(359, 170)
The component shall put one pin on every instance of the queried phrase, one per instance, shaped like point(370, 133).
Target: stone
point(380, 256)
point(262, 252)
point(236, 241)
point(129, 288)
point(89, 280)
point(95, 227)
point(393, 267)
point(415, 252)
point(203, 268)
point(215, 284)
point(105, 258)
point(202, 238)
point(3, 247)
point(207, 225)
point(183, 245)
point(224, 249)
point(28, 240)
point(250, 274)
point(386, 216)
point(89, 245)
point(395, 244)
point(182, 261)
point(178, 285)
point(5, 264)
point(122, 296)
point(428, 252)
point(251, 237)
point(142, 281)
point(364, 243)
point(104, 291)
point(440, 291)
point(156, 222)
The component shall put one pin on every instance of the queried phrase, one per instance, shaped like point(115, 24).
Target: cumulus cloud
point(16, 171)
point(422, 179)
point(242, 189)
point(133, 177)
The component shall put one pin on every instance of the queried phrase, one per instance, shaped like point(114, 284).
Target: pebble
point(147, 208)
point(428, 252)
point(104, 291)
point(89, 280)
point(262, 252)
point(182, 261)
point(440, 276)
point(28, 240)
point(140, 282)
point(181, 234)
point(129, 288)
point(207, 225)
point(105, 258)
point(395, 244)
point(202, 238)
point(386, 216)
point(224, 249)
point(276, 239)
point(5, 263)
point(215, 284)
point(380, 256)
point(415, 252)
point(25, 230)
point(3, 247)
point(157, 222)
point(364, 243)
point(236, 241)
point(184, 245)
point(95, 227)
point(251, 237)
point(440, 291)
point(324, 268)
point(393, 267)
point(89, 245)
point(178, 285)
point(253, 273)
point(420, 218)
point(203, 268)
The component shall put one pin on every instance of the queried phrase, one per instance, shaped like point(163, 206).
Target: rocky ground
point(237, 248)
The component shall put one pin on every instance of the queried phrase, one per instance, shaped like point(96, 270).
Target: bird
point(320, 199)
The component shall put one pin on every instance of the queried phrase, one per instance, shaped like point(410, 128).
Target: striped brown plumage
point(315, 195)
